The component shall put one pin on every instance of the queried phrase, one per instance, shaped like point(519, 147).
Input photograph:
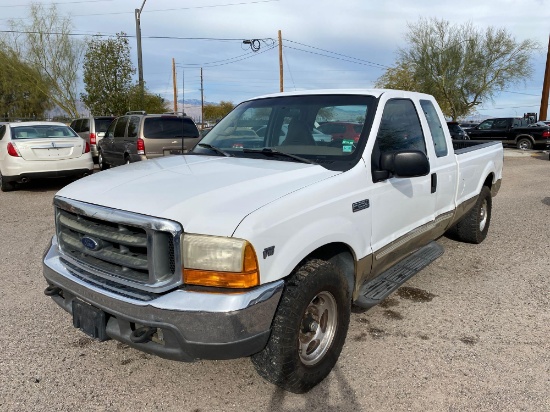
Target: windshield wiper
point(215, 149)
point(270, 152)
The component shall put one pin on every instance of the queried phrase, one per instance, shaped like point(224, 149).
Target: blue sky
point(327, 44)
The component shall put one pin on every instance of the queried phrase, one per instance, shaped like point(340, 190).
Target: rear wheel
point(6, 186)
point(309, 328)
point(524, 144)
point(474, 225)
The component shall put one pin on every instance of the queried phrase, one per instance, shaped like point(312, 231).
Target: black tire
point(103, 165)
point(473, 227)
point(524, 144)
point(6, 186)
point(304, 345)
point(95, 159)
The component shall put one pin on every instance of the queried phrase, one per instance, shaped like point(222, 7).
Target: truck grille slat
point(133, 250)
point(109, 254)
point(104, 232)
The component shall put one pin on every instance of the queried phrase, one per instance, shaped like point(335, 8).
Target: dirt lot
point(470, 332)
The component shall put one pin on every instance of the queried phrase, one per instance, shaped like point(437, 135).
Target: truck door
point(402, 208)
point(443, 165)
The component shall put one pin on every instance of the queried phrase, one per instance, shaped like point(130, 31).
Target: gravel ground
point(469, 333)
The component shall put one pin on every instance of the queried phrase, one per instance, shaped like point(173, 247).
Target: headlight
point(219, 261)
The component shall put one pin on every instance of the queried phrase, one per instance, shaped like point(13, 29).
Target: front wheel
point(103, 165)
point(524, 144)
point(309, 328)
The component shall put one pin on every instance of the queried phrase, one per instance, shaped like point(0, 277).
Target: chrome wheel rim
point(524, 145)
point(317, 328)
point(483, 215)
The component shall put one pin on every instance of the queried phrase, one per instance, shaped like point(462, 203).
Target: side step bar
point(375, 290)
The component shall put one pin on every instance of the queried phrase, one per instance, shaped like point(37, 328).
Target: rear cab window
point(436, 128)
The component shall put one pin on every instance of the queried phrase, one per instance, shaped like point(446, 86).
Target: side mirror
point(405, 163)
point(101, 134)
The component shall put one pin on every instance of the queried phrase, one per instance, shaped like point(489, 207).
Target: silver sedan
point(30, 150)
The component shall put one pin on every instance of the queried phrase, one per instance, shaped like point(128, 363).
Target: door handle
point(434, 182)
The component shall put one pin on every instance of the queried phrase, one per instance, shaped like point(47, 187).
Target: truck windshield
point(330, 130)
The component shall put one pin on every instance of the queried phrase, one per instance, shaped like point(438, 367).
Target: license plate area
point(90, 320)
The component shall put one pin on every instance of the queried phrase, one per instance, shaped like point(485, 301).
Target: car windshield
point(41, 132)
point(294, 125)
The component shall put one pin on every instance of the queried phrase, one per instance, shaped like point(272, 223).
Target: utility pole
point(202, 104)
point(281, 82)
point(545, 87)
point(174, 80)
point(140, 61)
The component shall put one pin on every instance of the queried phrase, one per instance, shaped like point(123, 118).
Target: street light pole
point(140, 61)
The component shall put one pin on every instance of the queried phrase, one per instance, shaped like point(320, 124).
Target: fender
point(296, 225)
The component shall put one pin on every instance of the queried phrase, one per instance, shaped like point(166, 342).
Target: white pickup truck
point(295, 207)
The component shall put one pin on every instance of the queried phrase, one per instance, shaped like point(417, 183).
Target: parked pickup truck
point(514, 131)
point(257, 246)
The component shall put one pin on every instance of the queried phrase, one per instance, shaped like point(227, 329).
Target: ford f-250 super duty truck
point(259, 245)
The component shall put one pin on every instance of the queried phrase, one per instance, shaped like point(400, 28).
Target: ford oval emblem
point(90, 243)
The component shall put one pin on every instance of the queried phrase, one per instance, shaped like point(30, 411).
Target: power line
point(57, 2)
point(337, 54)
point(195, 65)
point(376, 65)
point(180, 8)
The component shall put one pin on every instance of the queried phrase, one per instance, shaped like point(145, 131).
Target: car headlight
point(219, 261)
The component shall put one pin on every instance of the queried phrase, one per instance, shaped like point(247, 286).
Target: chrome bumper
point(191, 325)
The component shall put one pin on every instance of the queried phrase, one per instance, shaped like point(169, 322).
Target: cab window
point(436, 129)
point(400, 128)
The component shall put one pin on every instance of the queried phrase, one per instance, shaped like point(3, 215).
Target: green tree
point(108, 74)
point(23, 89)
point(213, 112)
point(459, 64)
point(151, 103)
point(44, 42)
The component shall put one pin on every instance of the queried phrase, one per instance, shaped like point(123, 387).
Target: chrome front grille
point(132, 249)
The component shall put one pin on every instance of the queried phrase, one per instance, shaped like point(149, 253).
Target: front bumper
point(191, 325)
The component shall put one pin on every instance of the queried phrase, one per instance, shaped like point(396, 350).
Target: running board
point(375, 290)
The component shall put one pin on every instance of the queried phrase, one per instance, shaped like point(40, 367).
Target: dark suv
point(92, 130)
point(140, 136)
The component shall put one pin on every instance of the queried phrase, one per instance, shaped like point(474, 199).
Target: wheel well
point(489, 181)
point(339, 254)
point(525, 136)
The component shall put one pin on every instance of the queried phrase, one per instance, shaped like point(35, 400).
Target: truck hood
point(206, 194)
